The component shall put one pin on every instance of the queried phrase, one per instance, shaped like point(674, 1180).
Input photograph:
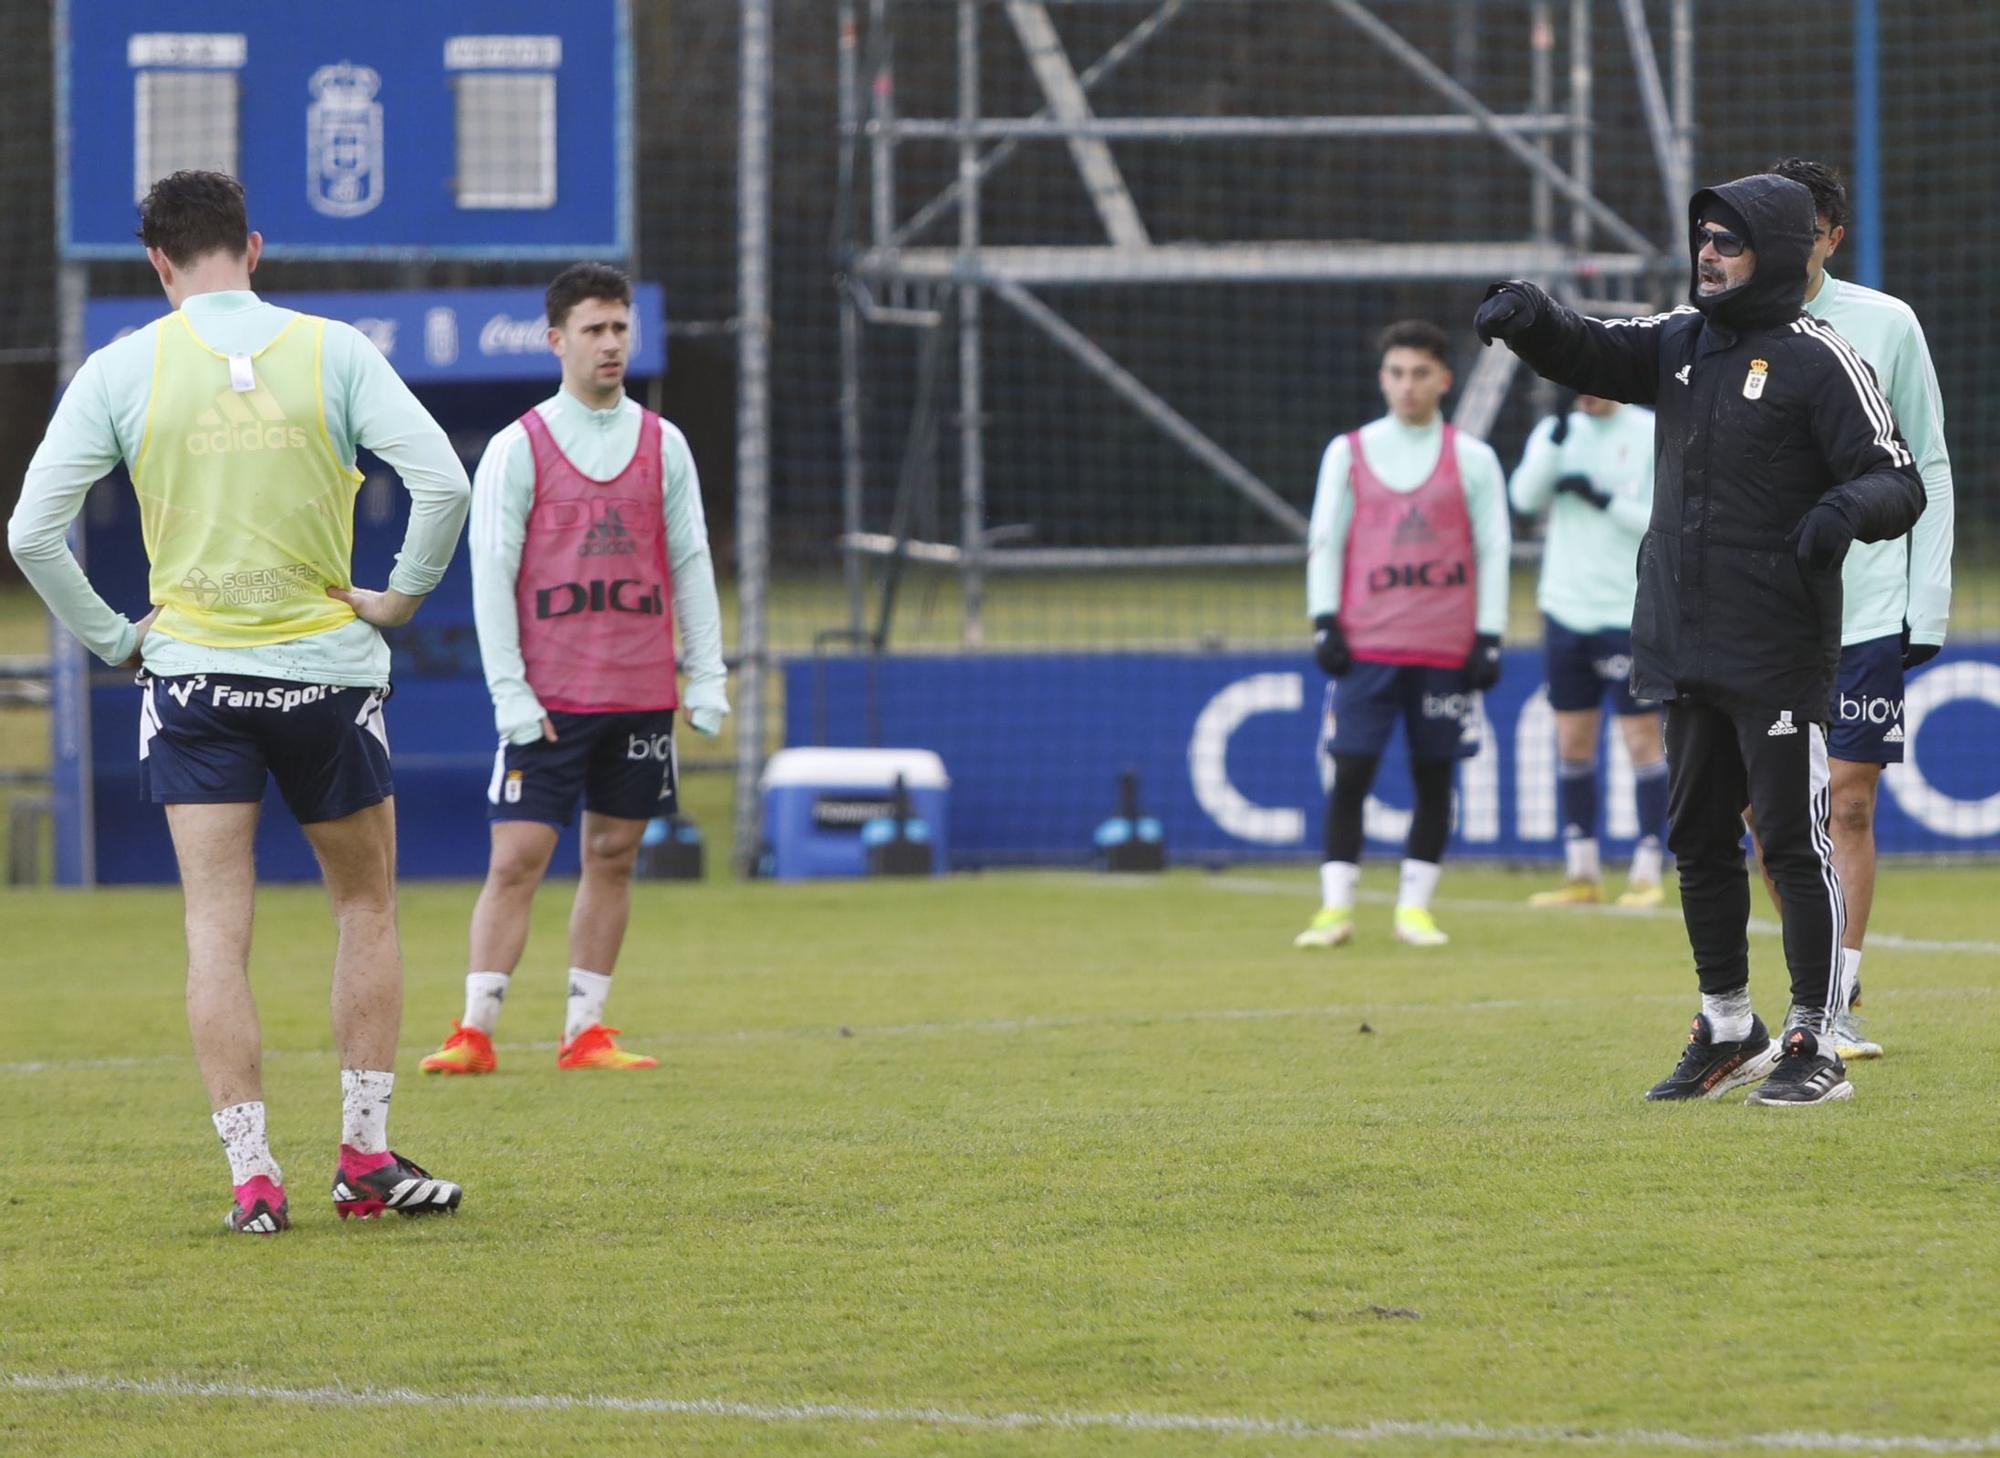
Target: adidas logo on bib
point(1894, 736)
point(241, 421)
point(1783, 726)
point(607, 537)
point(1412, 528)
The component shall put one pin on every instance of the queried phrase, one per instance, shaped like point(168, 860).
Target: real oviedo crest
point(344, 141)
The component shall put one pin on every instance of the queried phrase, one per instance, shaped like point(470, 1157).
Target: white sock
point(587, 993)
point(243, 1140)
point(364, 1109)
point(1728, 1015)
point(1580, 856)
point(1850, 972)
point(1646, 863)
point(484, 992)
point(1420, 880)
point(1336, 884)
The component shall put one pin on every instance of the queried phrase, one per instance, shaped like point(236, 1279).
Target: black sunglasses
point(1726, 243)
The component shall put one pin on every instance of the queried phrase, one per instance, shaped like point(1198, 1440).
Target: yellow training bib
point(248, 512)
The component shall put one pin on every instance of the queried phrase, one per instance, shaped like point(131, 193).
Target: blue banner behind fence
point(431, 336)
point(1226, 747)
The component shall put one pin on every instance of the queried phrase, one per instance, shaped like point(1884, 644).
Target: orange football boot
point(467, 1050)
point(593, 1048)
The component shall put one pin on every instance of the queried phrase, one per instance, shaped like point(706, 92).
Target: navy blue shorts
point(1439, 712)
point(1586, 667)
point(1866, 724)
point(621, 764)
point(207, 739)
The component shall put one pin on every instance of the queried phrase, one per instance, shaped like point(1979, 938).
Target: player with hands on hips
point(261, 662)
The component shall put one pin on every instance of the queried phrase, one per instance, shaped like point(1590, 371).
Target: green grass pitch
point(1018, 1164)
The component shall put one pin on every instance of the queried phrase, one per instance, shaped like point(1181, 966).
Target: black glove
point(1482, 665)
point(1584, 488)
point(1915, 653)
point(1330, 646)
point(1822, 538)
point(1508, 309)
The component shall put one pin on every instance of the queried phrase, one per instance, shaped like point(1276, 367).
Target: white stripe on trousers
point(149, 719)
point(373, 719)
point(1819, 814)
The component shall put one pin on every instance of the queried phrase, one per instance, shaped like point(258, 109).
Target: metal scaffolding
point(890, 278)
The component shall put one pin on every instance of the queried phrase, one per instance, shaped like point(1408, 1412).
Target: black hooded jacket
point(1761, 412)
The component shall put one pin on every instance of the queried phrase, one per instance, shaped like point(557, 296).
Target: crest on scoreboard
point(344, 141)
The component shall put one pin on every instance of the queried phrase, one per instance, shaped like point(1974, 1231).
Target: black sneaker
point(1709, 1069)
point(1807, 1073)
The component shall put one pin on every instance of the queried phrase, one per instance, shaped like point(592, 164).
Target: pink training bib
point(595, 594)
point(1407, 595)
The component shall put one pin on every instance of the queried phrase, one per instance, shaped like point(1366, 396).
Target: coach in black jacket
point(1775, 450)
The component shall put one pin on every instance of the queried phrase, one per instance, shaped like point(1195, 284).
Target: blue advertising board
point(361, 130)
point(1226, 747)
point(431, 336)
point(1227, 750)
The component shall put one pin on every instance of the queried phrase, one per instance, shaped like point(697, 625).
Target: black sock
point(1430, 823)
point(1353, 775)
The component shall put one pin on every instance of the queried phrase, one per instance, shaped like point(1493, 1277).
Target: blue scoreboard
point(366, 129)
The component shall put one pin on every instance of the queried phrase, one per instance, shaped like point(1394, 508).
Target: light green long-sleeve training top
point(600, 444)
point(101, 421)
point(1403, 456)
point(1590, 561)
point(1886, 584)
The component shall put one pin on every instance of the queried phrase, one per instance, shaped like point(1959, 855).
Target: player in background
point(1896, 595)
point(588, 545)
point(1591, 468)
point(260, 660)
point(1406, 586)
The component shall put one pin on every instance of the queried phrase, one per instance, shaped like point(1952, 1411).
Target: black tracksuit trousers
point(1717, 763)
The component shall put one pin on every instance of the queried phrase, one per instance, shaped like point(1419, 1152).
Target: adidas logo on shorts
point(1784, 725)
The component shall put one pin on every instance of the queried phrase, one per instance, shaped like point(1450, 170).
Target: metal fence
point(1019, 324)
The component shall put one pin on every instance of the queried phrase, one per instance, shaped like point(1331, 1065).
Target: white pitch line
point(877, 1030)
point(1028, 1024)
point(1264, 886)
point(1249, 885)
point(177, 1060)
point(1018, 1421)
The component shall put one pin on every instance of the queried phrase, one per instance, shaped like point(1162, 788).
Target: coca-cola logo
point(504, 334)
point(380, 332)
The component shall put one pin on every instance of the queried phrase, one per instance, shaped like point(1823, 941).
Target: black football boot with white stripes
point(1808, 1072)
point(260, 1208)
point(366, 1185)
point(1709, 1069)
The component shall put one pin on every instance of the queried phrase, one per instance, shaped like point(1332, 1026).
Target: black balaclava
point(1776, 215)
